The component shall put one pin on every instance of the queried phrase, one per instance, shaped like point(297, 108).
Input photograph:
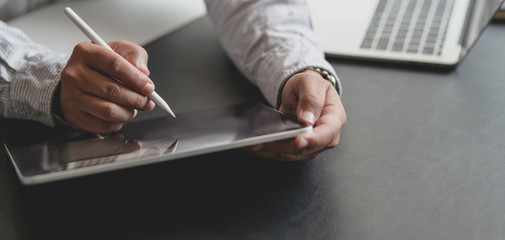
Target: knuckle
point(80, 48)
point(69, 75)
point(132, 46)
point(139, 102)
point(140, 79)
point(343, 118)
point(108, 111)
point(116, 65)
point(112, 91)
point(143, 51)
point(310, 98)
point(123, 42)
point(130, 49)
point(334, 142)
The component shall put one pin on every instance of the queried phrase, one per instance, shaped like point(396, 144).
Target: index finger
point(115, 66)
point(133, 53)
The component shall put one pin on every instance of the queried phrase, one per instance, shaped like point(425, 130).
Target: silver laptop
point(433, 32)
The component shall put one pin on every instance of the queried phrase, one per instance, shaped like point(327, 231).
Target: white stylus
point(97, 40)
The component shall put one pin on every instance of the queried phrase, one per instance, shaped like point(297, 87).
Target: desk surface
point(421, 157)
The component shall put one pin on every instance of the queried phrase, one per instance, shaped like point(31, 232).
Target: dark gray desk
point(422, 157)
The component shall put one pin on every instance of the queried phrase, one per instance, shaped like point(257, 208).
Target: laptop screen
point(481, 13)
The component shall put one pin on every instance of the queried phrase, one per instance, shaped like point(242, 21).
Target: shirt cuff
point(32, 90)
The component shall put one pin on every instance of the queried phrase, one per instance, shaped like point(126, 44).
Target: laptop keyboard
point(410, 26)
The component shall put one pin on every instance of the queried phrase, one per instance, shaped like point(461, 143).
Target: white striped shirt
point(268, 40)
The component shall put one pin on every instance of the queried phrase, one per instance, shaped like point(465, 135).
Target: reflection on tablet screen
point(154, 140)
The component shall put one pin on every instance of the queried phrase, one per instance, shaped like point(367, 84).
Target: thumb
point(310, 105)
point(133, 53)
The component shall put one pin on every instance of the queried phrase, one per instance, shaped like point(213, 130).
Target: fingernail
point(134, 113)
point(148, 89)
point(303, 143)
point(308, 117)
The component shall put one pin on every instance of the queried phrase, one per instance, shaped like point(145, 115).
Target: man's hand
point(316, 102)
point(102, 89)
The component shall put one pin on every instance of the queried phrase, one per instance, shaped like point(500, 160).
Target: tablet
point(150, 141)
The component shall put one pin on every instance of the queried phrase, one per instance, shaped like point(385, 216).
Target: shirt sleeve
point(268, 40)
point(29, 75)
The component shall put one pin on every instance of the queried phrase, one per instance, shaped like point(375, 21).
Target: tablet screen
point(153, 140)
